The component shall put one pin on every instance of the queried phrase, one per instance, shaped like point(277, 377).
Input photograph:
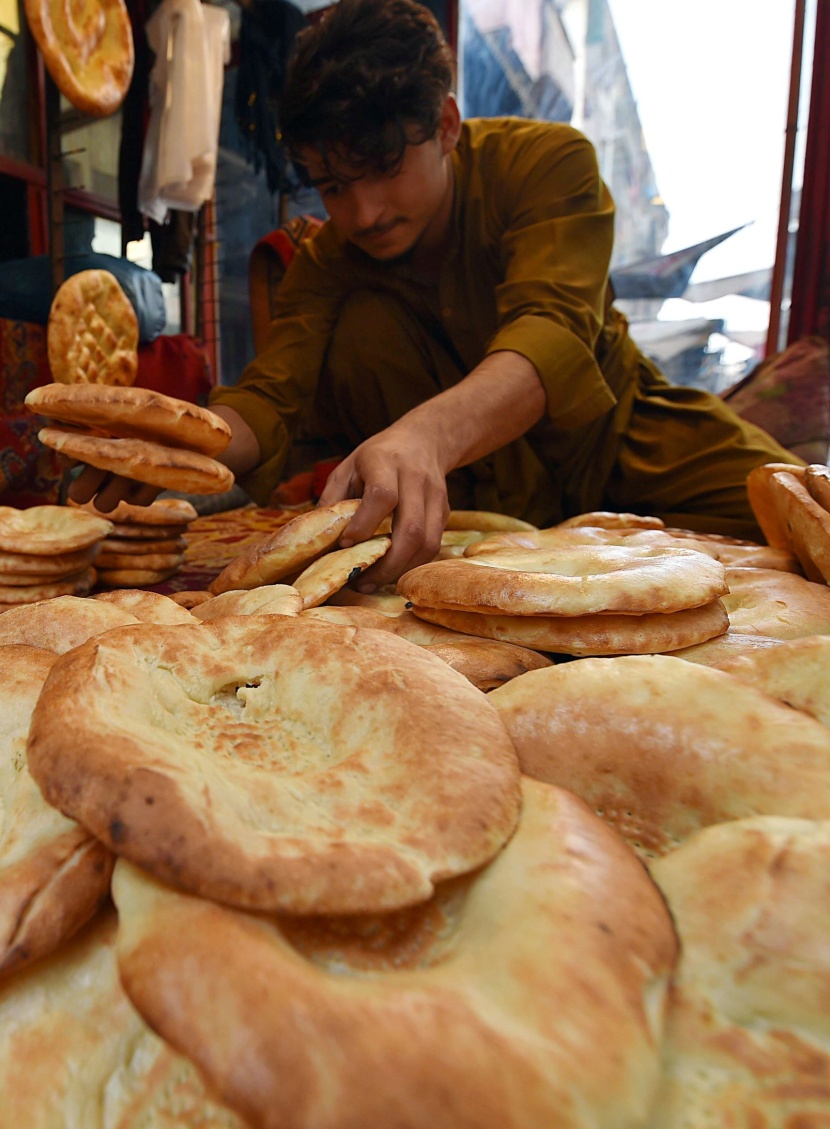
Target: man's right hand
point(109, 489)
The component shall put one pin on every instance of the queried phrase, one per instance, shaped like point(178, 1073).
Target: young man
point(450, 329)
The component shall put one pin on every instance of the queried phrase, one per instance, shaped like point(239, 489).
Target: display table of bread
point(541, 838)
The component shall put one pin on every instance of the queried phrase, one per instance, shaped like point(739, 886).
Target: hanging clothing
point(191, 42)
point(266, 36)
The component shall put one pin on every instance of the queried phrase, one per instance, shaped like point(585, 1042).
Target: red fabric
point(810, 311)
point(29, 473)
point(286, 239)
point(176, 365)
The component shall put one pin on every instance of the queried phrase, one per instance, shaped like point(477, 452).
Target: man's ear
point(449, 126)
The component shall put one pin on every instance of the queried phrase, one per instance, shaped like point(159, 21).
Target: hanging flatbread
point(87, 48)
point(92, 333)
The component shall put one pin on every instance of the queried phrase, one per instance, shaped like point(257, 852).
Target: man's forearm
point(242, 453)
point(496, 403)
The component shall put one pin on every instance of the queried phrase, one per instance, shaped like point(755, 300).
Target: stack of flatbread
point(720, 780)
point(137, 433)
point(303, 553)
point(328, 866)
point(587, 596)
point(146, 544)
point(47, 551)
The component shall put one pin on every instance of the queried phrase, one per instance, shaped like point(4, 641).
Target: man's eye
point(329, 190)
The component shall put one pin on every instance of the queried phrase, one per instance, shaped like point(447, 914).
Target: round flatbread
point(796, 671)
point(134, 577)
point(661, 748)
point(192, 598)
point(568, 582)
point(49, 531)
point(590, 634)
point(135, 531)
point(385, 600)
point(277, 763)
point(60, 624)
point(608, 519)
point(57, 565)
point(807, 524)
point(176, 512)
point(778, 604)
point(133, 413)
point(148, 607)
point(171, 468)
point(484, 521)
point(817, 481)
point(726, 646)
point(562, 943)
point(268, 599)
point(156, 562)
point(27, 580)
point(75, 1054)
point(53, 874)
point(138, 547)
point(78, 585)
point(87, 49)
point(484, 662)
point(488, 663)
point(289, 549)
point(746, 1038)
point(763, 504)
point(404, 624)
point(92, 333)
point(333, 571)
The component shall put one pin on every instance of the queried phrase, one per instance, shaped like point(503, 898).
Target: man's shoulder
point(481, 137)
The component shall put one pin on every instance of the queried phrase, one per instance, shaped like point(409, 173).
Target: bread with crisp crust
point(87, 48)
point(75, 1054)
point(135, 413)
point(574, 581)
point(277, 763)
point(53, 873)
point(171, 468)
point(747, 1038)
point(661, 747)
point(528, 995)
point(92, 332)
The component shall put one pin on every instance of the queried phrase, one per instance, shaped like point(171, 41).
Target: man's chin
point(393, 254)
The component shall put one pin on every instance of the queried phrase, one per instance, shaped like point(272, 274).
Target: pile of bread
point(351, 888)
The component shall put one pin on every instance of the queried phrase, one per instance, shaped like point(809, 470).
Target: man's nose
point(369, 206)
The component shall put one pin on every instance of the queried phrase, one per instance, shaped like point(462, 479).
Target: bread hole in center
point(234, 697)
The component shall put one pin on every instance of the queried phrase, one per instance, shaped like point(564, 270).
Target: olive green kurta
point(355, 343)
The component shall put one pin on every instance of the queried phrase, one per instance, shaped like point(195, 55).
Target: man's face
point(387, 214)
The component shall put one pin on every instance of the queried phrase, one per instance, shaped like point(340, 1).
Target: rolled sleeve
point(575, 390)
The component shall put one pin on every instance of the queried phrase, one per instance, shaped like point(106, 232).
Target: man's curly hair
point(369, 78)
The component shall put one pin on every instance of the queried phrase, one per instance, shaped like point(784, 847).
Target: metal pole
point(780, 266)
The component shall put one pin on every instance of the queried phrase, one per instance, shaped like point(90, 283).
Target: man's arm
point(404, 468)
